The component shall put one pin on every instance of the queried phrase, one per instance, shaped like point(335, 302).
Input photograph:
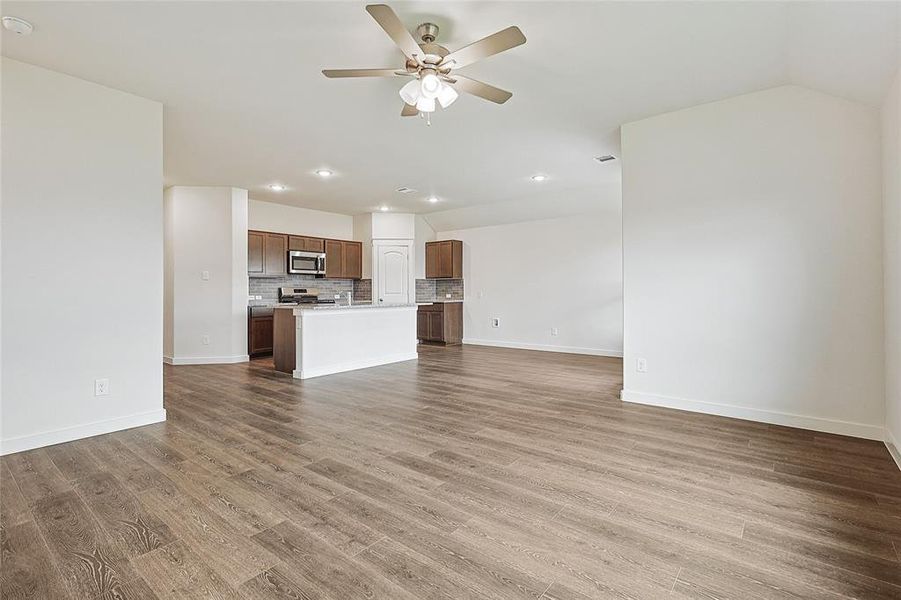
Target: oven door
point(306, 263)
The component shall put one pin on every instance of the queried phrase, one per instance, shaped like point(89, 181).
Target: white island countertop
point(338, 307)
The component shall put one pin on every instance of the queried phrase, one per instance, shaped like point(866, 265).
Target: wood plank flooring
point(476, 473)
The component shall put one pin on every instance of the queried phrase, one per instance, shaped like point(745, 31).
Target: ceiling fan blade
point(360, 72)
point(477, 88)
point(388, 20)
point(495, 43)
point(409, 111)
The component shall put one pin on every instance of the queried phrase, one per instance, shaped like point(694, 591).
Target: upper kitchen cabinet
point(444, 259)
point(267, 254)
point(334, 258)
point(306, 244)
point(343, 260)
point(353, 260)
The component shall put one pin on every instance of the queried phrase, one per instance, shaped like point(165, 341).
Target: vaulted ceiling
point(246, 104)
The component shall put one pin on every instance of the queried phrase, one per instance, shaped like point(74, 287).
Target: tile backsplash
point(267, 287)
point(362, 290)
point(435, 290)
point(427, 290)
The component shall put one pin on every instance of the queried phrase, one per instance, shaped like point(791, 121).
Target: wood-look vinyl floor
point(476, 473)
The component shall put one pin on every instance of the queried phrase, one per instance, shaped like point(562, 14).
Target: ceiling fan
point(432, 66)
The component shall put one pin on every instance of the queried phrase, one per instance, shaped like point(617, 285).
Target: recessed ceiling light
point(433, 199)
point(17, 25)
point(277, 187)
point(383, 208)
point(539, 177)
point(405, 190)
point(605, 158)
point(323, 172)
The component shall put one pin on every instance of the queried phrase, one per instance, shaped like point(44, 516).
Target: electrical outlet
point(101, 387)
point(205, 340)
point(554, 331)
point(495, 322)
point(205, 275)
point(641, 365)
point(447, 295)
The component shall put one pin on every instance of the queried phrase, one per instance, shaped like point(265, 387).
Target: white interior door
point(393, 286)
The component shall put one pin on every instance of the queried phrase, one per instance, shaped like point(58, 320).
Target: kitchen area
point(312, 310)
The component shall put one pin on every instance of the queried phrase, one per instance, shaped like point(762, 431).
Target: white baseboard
point(861, 430)
point(893, 448)
point(353, 366)
point(68, 434)
point(205, 360)
point(544, 347)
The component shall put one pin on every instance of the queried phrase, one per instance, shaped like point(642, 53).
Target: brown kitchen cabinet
point(441, 322)
point(267, 254)
point(343, 260)
point(444, 259)
point(306, 244)
point(259, 330)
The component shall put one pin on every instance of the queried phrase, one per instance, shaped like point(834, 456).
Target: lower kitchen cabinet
point(259, 330)
point(441, 322)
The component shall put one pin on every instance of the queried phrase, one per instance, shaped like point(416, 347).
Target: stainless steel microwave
point(306, 263)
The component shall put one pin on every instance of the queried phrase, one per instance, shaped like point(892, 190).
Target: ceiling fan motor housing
point(427, 32)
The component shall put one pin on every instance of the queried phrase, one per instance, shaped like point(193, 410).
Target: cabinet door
point(304, 243)
point(353, 260)
point(276, 254)
point(436, 326)
point(431, 260)
point(334, 258)
point(255, 262)
point(314, 244)
point(445, 259)
point(422, 325)
point(260, 339)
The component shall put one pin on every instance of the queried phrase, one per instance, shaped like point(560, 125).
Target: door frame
point(411, 264)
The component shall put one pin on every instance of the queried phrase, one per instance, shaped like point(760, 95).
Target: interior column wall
point(206, 275)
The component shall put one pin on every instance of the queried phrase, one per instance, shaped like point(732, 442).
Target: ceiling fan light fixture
point(410, 92)
point(447, 95)
point(425, 105)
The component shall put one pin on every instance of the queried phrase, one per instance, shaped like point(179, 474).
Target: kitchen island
point(315, 340)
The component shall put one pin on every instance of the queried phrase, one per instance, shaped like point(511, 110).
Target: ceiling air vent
point(405, 190)
point(605, 158)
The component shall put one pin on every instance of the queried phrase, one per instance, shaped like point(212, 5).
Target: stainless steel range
point(292, 295)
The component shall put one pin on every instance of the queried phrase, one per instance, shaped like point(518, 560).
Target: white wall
point(753, 260)
point(206, 232)
point(538, 275)
point(82, 258)
point(422, 233)
point(393, 226)
point(891, 166)
point(279, 218)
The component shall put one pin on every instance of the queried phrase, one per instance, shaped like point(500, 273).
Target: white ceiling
point(246, 104)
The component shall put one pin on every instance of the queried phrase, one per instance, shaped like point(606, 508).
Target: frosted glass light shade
point(425, 104)
point(410, 92)
point(430, 85)
point(447, 95)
